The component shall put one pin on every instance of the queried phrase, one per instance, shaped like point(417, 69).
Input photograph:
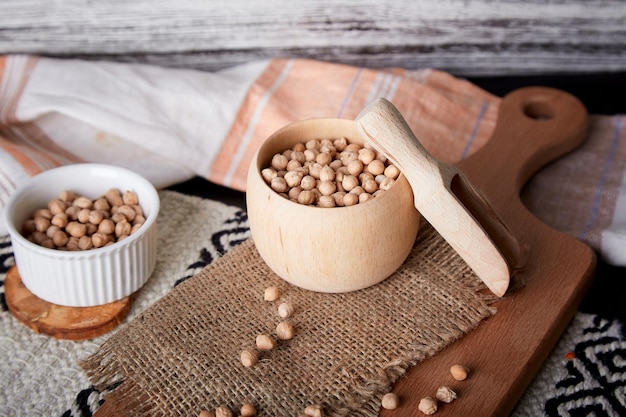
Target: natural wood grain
point(71, 323)
point(484, 37)
point(444, 197)
point(535, 126)
point(337, 249)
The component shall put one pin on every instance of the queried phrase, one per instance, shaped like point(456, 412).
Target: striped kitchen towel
point(172, 124)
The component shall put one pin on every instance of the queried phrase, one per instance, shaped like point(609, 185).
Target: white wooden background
point(465, 37)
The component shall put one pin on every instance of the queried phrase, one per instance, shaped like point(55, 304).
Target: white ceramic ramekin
point(92, 277)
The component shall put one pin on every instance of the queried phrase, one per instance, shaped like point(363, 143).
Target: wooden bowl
point(336, 249)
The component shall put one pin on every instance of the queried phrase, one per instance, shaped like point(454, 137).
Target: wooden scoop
point(446, 199)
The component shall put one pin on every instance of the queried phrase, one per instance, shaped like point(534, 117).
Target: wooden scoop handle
point(444, 197)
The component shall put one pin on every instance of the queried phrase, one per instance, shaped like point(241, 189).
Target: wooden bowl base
point(61, 322)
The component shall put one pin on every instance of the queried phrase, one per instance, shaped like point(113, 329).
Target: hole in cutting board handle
point(539, 109)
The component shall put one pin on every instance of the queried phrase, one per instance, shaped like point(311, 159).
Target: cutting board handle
point(535, 126)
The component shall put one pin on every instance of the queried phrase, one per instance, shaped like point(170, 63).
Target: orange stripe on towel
point(3, 63)
point(241, 125)
point(27, 158)
point(287, 91)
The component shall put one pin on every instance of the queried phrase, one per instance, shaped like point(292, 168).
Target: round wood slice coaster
point(61, 322)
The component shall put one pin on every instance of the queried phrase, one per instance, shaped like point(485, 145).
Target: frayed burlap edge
point(182, 354)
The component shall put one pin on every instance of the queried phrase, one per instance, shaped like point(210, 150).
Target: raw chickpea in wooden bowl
point(60, 259)
point(319, 241)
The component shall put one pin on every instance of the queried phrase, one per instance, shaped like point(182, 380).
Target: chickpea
point(83, 202)
point(106, 226)
point(308, 183)
point(85, 243)
point(338, 197)
point(57, 206)
point(114, 197)
point(293, 178)
point(249, 358)
point(312, 144)
point(101, 204)
point(326, 201)
point(268, 174)
point(347, 157)
point(76, 229)
point(60, 238)
point(67, 196)
point(99, 240)
point(138, 210)
point(123, 228)
point(285, 330)
point(298, 155)
point(118, 216)
point(336, 164)
point(352, 147)
point(96, 216)
point(340, 144)
point(445, 394)
point(279, 185)
point(285, 310)
point(366, 155)
point(355, 167)
point(427, 405)
point(363, 197)
point(370, 186)
point(52, 230)
point(386, 184)
point(265, 342)
point(83, 215)
point(45, 213)
point(314, 410)
point(42, 224)
point(247, 410)
point(310, 154)
point(306, 197)
point(294, 192)
point(59, 220)
point(324, 158)
point(279, 162)
point(130, 198)
point(72, 244)
point(293, 164)
point(271, 294)
point(349, 182)
point(72, 212)
point(315, 170)
point(392, 171)
point(350, 199)
point(327, 173)
point(75, 222)
point(390, 401)
point(327, 187)
point(310, 172)
point(223, 411)
point(459, 372)
point(376, 167)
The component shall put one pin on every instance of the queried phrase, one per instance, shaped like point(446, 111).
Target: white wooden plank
point(464, 37)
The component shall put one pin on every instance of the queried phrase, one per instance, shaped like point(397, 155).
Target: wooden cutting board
point(535, 126)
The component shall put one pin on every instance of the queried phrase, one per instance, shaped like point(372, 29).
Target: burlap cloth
point(182, 354)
